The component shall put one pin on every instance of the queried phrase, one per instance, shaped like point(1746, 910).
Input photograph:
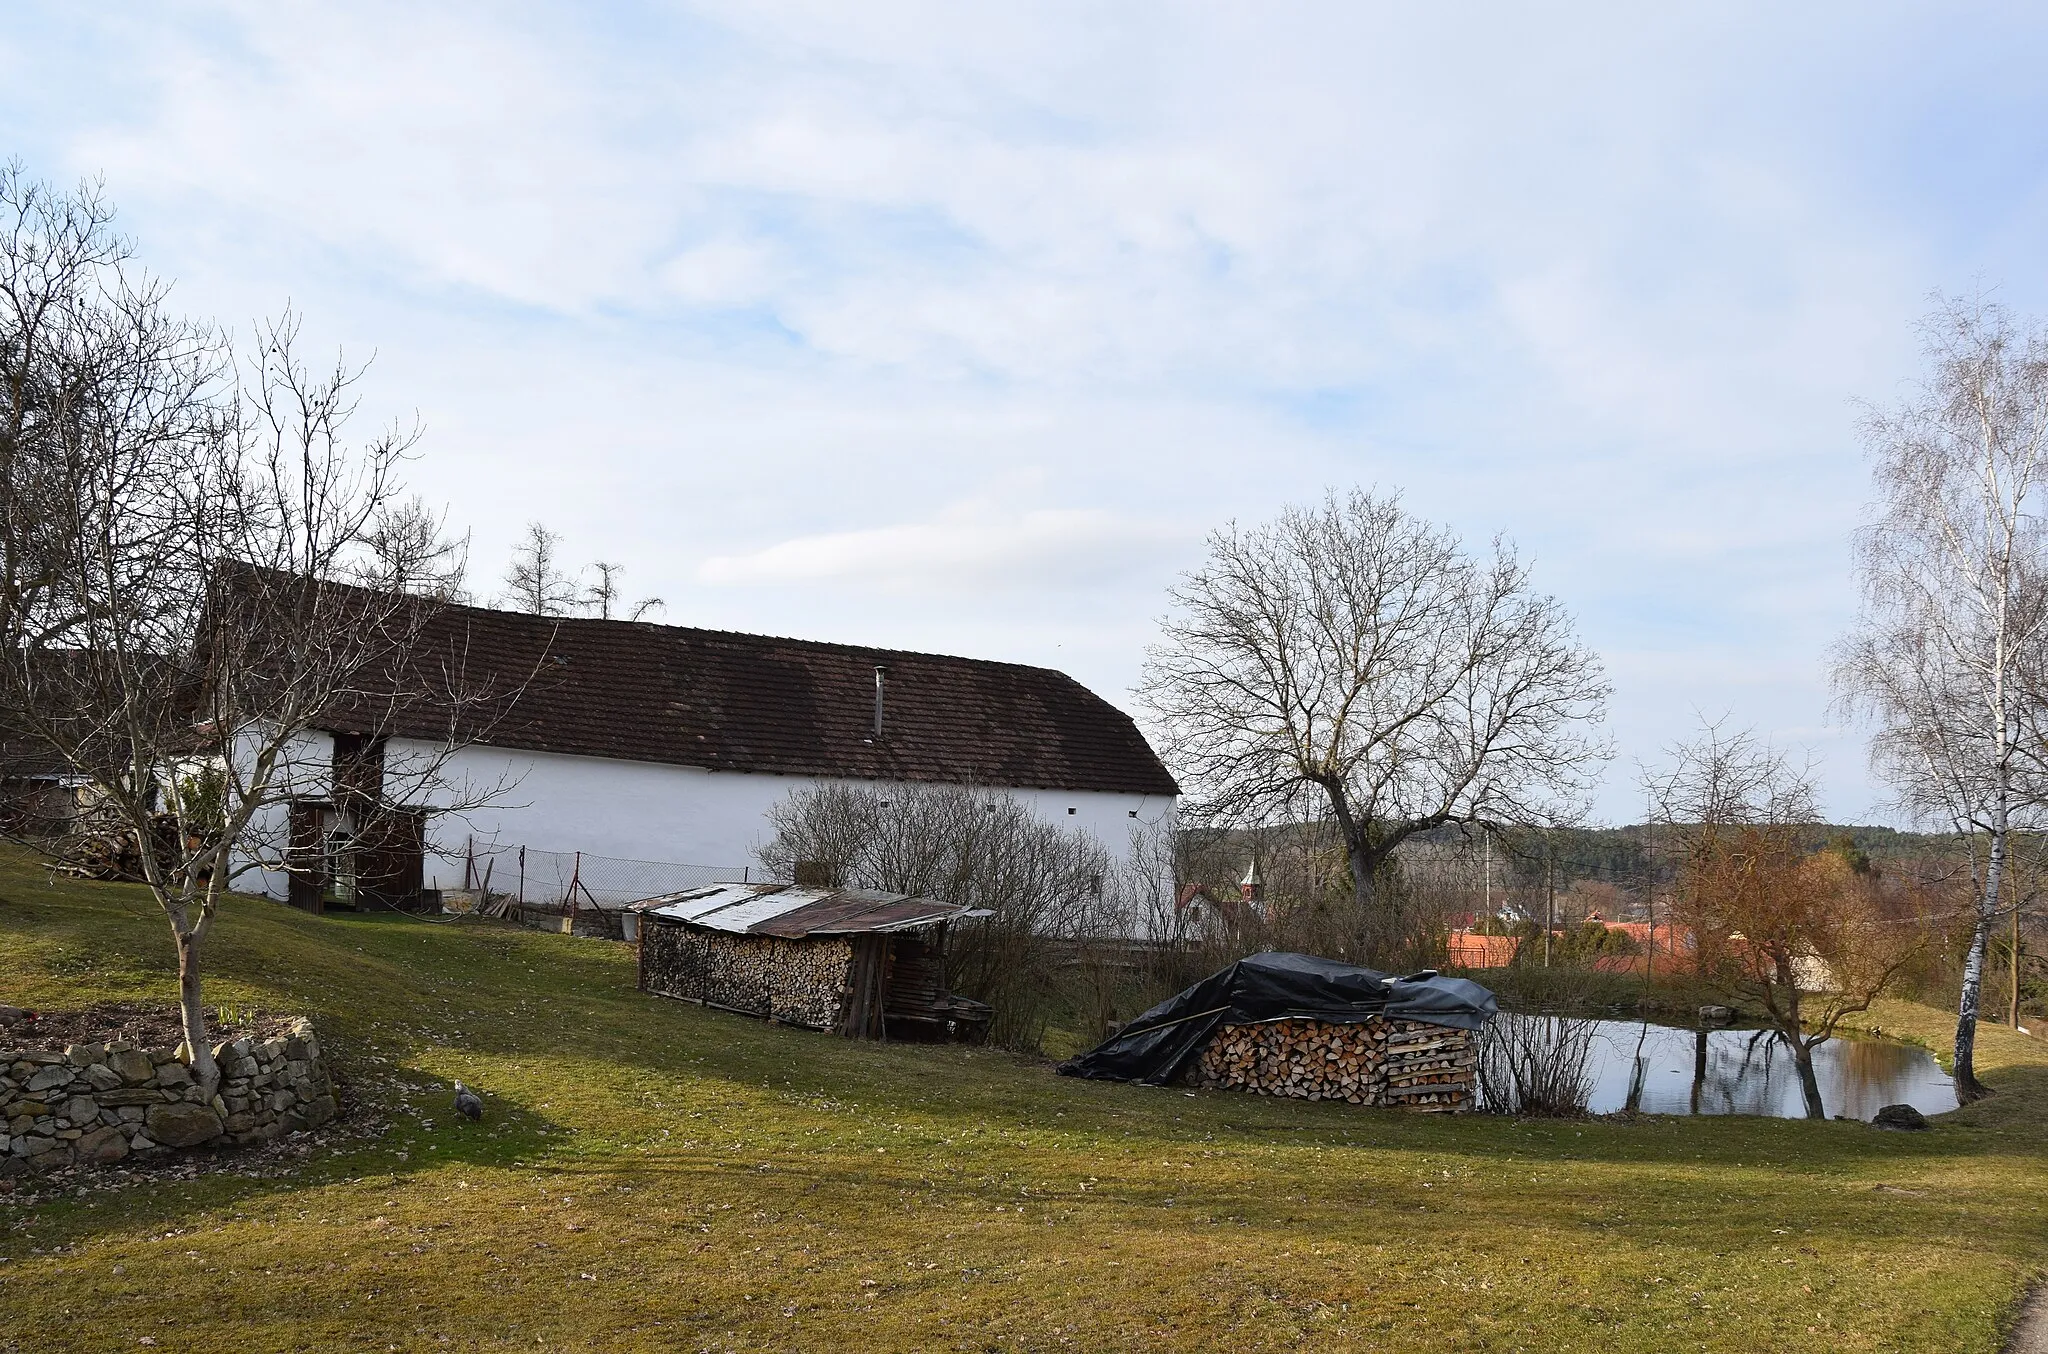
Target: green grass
point(655, 1176)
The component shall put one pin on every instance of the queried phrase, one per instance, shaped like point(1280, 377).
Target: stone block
point(85, 1055)
point(241, 1122)
point(131, 1095)
point(102, 1077)
point(142, 1142)
point(182, 1125)
point(81, 1109)
point(282, 1100)
point(102, 1147)
point(50, 1078)
point(41, 1057)
point(319, 1110)
point(173, 1074)
point(130, 1114)
point(133, 1065)
point(36, 1145)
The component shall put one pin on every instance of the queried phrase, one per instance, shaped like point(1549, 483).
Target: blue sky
point(956, 327)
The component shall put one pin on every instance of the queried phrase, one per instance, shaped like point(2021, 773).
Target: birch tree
point(1953, 561)
point(1353, 660)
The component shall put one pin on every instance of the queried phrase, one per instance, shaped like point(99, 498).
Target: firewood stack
point(1373, 1062)
point(1428, 1067)
point(798, 982)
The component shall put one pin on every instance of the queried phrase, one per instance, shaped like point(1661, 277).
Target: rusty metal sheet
point(792, 913)
point(855, 911)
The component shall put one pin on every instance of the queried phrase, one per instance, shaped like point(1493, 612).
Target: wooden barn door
point(305, 859)
point(391, 858)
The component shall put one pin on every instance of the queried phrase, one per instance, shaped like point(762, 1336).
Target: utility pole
point(1650, 885)
point(1487, 885)
point(1549, 889)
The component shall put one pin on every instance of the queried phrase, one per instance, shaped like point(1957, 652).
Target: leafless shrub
point(1536, 1064)
point(1044, 887)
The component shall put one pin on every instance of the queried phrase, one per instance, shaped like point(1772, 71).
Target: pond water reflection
point(1664, 1070)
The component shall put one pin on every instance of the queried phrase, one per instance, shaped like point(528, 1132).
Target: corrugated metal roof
point(791, 912)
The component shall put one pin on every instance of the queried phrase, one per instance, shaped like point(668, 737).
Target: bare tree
point(603, 598)
point(535, 582)
point(1954, 570)
point(1354, 660)
point(408, 550)
point(1795, 930)
point(167, 630)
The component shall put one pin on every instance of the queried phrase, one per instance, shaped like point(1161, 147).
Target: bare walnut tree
point(1350, 659)
point(1947, 657)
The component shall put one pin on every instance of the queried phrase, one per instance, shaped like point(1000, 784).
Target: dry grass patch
point(654, 1176)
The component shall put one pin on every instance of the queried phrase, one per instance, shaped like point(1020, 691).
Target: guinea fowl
point(466, 1103)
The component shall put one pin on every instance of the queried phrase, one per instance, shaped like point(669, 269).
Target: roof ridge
point(835, 646)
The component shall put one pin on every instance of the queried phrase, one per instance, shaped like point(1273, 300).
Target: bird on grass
point(466, 1103)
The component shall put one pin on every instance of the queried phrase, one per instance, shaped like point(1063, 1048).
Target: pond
point(1666, 1070)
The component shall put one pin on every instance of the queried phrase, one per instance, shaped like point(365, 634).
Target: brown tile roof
point(732, 702)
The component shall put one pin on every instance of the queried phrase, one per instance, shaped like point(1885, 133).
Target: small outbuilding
point(1309, 1028)
point(856, 962)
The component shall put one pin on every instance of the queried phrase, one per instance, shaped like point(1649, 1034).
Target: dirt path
point(2030, 1332)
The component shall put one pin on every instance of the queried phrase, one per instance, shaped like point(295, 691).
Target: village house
point(636, 742)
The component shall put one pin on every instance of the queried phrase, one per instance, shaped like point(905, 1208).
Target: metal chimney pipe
point(880, 676)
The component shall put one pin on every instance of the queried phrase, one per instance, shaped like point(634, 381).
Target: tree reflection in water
point(1660, 1069)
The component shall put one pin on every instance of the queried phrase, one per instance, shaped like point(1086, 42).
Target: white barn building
point(630, 741)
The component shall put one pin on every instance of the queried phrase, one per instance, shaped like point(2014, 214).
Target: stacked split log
point(798, 982)
point(1429, 1067)
point(1372, 1062)
point(1302, 1059)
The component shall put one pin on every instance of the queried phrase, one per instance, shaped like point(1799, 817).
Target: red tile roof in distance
point(730, 702)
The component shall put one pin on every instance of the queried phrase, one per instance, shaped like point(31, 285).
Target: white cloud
point(974, 545)
point(687, 279)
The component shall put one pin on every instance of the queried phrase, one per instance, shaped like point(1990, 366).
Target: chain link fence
point(537, 885)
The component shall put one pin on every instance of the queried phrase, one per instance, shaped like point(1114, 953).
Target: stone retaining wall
point(95, 1104)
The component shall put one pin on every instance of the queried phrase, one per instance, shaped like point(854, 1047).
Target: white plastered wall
point(643, 810)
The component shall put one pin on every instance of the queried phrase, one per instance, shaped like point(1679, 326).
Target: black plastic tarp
point(1158, 1044)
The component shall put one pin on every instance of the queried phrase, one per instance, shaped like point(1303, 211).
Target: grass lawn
point(655, 1176)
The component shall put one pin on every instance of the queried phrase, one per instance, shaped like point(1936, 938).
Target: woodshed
point(855, 962)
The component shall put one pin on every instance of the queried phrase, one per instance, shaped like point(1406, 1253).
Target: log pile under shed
point(1307, 1028)
point(1369, 1062)
point(864, 964)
